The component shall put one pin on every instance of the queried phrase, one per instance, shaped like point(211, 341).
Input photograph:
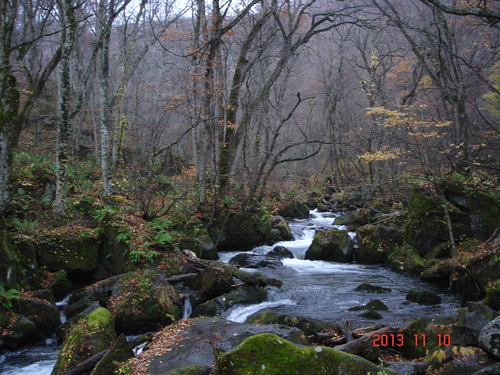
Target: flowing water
point(325, 290)
point(317, 289)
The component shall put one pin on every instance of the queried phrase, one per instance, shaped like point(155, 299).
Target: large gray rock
point(255, 261)
point(212, 335)
point(489, 338)
point(334, 245)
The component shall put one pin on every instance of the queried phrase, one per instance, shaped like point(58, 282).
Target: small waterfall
point(187, 308)
point(62, 307)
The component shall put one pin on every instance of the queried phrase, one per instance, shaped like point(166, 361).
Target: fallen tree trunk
point(366, 342)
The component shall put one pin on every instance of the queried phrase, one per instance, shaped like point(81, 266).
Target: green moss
point(268, 354)
point(406, 259)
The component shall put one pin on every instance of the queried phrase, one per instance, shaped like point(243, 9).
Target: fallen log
point(365, 342)
point(185, 276)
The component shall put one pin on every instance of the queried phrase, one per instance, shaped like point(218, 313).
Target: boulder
point(255, 261)
point(426, 227)
point(216, 306)
point(142, 299)
point(281, 252)
point(284, 229)
point(372, 288)
point(91, 335)
point(423, 329)
point(69, 251)
point(423, 297)
point(375, 304)
point(309, 326)
point(295, 209)
point(240, 230)
point(358, 217)
point(218, 336)
point(489, 338)
point(375, 243)
point(203, 246)
point(334, 245)
point(468, 326)
point(406, 259)
point(267, 353)
point(46, 316)
point(110, 363)
point(20, 331)
point(371, 314)
point(60, 285)
point(212, 281)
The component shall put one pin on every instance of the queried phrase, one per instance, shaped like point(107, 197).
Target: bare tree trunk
point(64, 121)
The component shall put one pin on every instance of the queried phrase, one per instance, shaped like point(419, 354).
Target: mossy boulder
point(285, 231)
point(45, 315)
point(110, 363)
point(91, 335)
point(489, 338)
point(74, 249)
point(212, 281)
point(406, 259)
point(358, 217)
point(334, 245)
point(240, 230)
point(25, 250)
point(375, 304)
point(11, 270)
point(426, 226)
point(423, 297)
point(60, 285)
point(19, 331)
point(142, 299)
point(309, 326)
point(269, 354)
point(295, 209)
point(376, 242)
point(113, 253)
point(423, 329)
point(202, 246)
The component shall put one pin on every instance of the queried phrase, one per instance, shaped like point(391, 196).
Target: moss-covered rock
point(295, 209)
point(11, 271)
point(19, 331)
point(141, 299)
point(421, 337)
point(281, 252)
point(60, 285)
point(45, 315)
point(307, 325)
point(375, 304)
point(119, 353)
point(334, 245)
point(375, 243)
point(75, 250)
point(406, 259)
point(91, 335)
point(240, 230)
point(365, 287)
point(423, 297)
point(247, 260)
point(426, 226)
point(212, 281)
point(286, 233)
point(269, 354)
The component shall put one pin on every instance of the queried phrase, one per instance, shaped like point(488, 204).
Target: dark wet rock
point(21, 331)
point(361, 216)
point(45, 315)
point(407, 368)
point(371, 314)
point(423, 297)
point(225, 335)
point(334, 245)
point(372, 288)
point(309, 326)
point(268, 353)
point(213, 280)
point(376, 304)
point(141, 299)
point(468, 326)
point(254, 261)
point(406, 259)
point(91, 335)
point(85, 297)
point(46, 295)
point(493, 369)
point(110, 363)
point(295, 210)
point(245, 294)
point(64, 328)
point(424, 329)
point(202, 246)
point(241, 230)
point(60, 285)
point(376, 242)
point(489, 338)
point(281, 252)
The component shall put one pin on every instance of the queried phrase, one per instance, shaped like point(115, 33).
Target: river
point(317, 289)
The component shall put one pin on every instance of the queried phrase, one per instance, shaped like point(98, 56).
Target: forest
point(131, 131)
